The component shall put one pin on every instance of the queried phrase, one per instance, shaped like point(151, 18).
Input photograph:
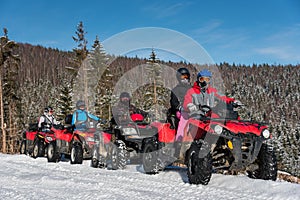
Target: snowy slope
point(22, 177)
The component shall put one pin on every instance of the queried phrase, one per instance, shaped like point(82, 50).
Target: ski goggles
point(203, 78)
point(184, 76)
point(125, 99)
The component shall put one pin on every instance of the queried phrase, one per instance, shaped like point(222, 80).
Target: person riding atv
point(130, 132)
point(124, 108)
point(215, 139)
point(199, 96)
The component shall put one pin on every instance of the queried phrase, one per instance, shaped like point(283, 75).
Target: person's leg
point(180, 134)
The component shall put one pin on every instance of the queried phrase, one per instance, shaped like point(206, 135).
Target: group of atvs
point(218, 141)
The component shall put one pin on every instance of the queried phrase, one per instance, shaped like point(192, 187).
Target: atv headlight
point(266, 133)
point(129, 131)
point(49, 138)
point(218, 129)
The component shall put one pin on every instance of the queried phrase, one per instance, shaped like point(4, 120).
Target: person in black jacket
point(177, 96)
point(176, 115)
point(124, 109)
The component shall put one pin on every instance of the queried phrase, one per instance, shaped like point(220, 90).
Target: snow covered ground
point(22, 177)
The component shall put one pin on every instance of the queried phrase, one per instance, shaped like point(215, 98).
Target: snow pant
point(181, 126)
point(179, 136)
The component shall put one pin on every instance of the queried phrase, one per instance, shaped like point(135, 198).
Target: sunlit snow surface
point(22, 177)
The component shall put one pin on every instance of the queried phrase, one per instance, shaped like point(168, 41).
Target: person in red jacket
point(202, 94)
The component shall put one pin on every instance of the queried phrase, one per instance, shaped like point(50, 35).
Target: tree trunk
point(2, 119)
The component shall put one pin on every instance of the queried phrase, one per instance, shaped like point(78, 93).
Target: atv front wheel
point(76, 154)
point(51, 153)
point(38, 149)
point(267, 164)
point(150, 159)
point(118, 156)
point(23, 147)
point(199, 167)
point(95, 161)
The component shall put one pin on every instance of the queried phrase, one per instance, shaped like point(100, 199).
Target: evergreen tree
point(9, 100)
point(99, 78)
point(76, 70)
point(64, 104)
point(155, 94)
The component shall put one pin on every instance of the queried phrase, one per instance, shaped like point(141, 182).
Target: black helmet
point(79, 104)
point(182, 71)
point(125, 95)
point(48, 109)
point(125, 98)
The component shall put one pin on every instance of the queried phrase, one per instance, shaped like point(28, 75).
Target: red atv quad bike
point(131, 134)
point(35, 142)
point(28, 138)
point(74, 143)
point(220, 141)
point(102, 148)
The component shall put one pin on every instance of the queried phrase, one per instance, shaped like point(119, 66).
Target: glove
point(237, 103)
point(192, 107)
point(102, 121)
point(178, 114)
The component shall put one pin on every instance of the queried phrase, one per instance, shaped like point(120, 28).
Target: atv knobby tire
point(95, 158)
point(52, 155)
point(38, 149)
point(118, 156)
point(199, 168)
point(23, 147)
point(150, 159)
point(267, 164)
point(76, 153)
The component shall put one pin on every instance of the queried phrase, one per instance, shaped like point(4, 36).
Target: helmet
point(205, 73)
point(125, 95)
point(79, 104)
point(203, 78)
point(182, 71)
point(125, 98)
point(48, 109)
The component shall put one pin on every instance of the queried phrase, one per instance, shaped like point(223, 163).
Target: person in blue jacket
point(81, 117)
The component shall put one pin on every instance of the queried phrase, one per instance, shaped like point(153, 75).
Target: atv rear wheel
point(76, 153)
point(38, 149)
point(118, 155)
point(52, 156)
point(23, 147)
point(199, 168)
point(267, 164)
point(150, 159)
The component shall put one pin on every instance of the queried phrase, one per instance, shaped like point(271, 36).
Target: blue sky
point(234, 31)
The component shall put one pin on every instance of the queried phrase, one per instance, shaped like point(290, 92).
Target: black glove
point(102, 121)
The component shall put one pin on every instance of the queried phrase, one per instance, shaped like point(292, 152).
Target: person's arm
point(74, 118)
point(55, 122)
point(188, 100)
point(175, 104)
point(41, 120)
point(93, 117)
point(223, 98)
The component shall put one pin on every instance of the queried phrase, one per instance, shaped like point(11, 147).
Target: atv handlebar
point(204, 118)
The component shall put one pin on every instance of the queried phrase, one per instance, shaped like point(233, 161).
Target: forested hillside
point(271, 93)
